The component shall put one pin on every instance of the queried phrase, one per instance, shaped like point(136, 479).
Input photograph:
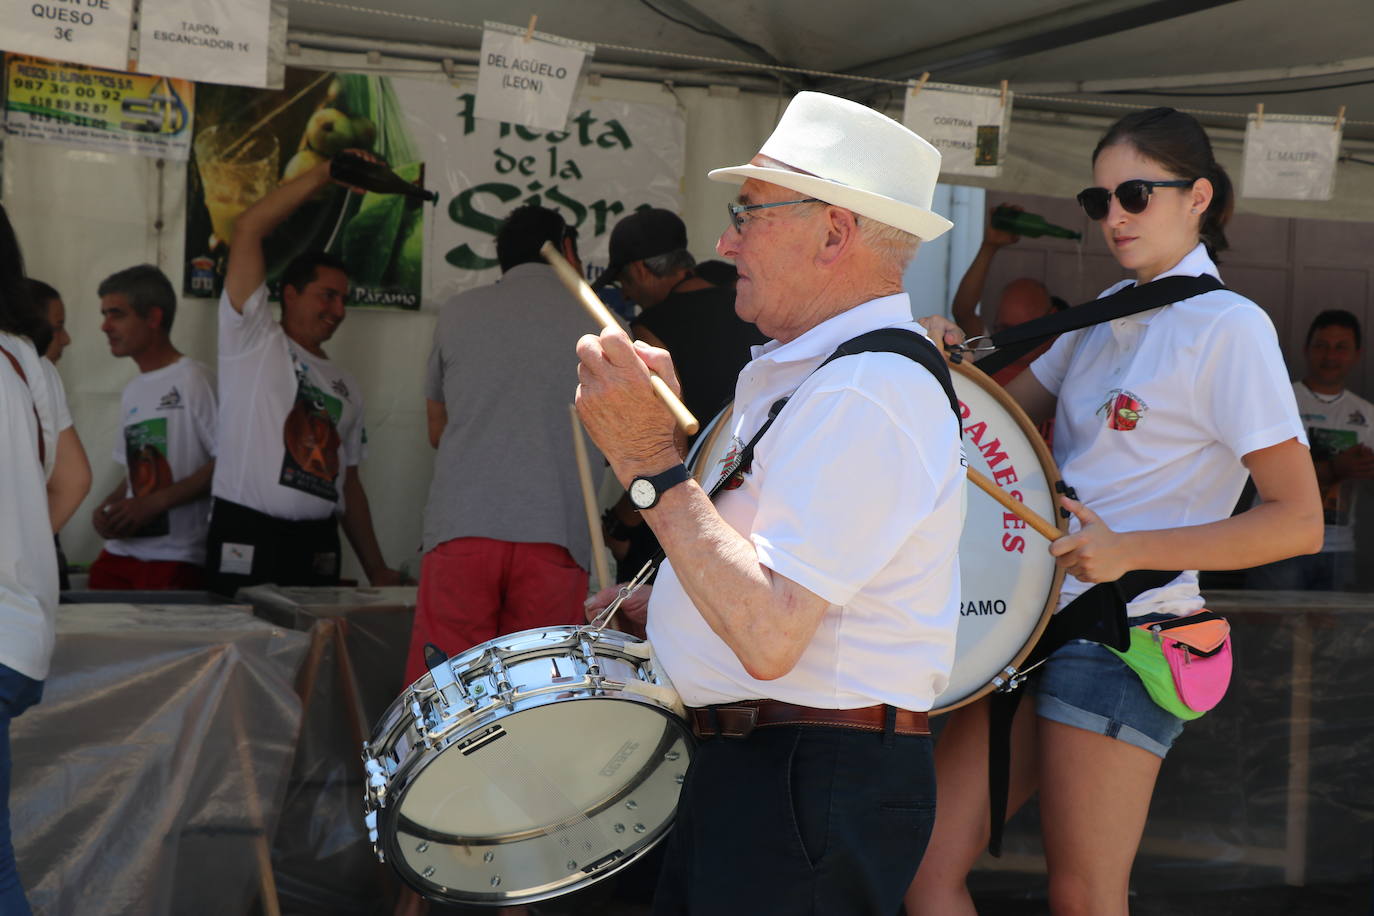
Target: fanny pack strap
point(1099, 614)
point(1015, 342)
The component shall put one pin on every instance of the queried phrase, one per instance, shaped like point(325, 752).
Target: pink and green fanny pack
point(1184, 663)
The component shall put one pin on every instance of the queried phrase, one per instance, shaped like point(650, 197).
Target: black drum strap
point(1015, 342)
point(901, 341)
point(1099, 614)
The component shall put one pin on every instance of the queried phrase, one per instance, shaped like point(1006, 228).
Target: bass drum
point(527, 767)
point(1009, 582)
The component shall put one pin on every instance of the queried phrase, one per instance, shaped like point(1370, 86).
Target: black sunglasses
point(1134, 195)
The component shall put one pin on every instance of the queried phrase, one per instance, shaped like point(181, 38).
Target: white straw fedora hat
point(851, 156)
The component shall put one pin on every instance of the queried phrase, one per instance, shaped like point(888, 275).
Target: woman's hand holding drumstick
point(602, 316)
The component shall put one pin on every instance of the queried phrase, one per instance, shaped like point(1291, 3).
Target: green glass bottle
point(1031, 225)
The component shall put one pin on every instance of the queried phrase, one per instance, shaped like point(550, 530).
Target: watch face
point(642, 493)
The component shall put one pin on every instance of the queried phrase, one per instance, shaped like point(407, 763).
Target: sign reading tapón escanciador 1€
point(210, 41)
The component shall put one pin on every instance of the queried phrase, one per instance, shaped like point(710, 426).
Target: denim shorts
point(1086, 686)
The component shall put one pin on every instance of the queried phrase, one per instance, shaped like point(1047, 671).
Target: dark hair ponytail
point(18, 315)
point(1177, 142)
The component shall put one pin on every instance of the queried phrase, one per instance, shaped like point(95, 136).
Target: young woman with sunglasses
point(1160, 417)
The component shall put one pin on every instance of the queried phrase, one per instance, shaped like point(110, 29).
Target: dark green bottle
point(1031, 225)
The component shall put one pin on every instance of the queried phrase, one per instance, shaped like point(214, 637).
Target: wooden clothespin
point(1005, 83)
point(529, 30)
point(1340, 118)
point(1259, 114)
point(920, 84)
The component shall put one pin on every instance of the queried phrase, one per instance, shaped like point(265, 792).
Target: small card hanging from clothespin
point(527, 77)
point(967, 124)
point(920, 84)
point(1290, 157)
point(1259, 113)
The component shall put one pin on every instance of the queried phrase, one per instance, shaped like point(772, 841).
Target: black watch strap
point(661, 484)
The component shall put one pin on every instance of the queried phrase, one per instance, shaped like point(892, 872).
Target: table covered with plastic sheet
point(354, 670)
point(149, 780)
point(1274, 787)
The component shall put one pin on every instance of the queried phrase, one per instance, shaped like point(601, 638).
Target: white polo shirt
point(1157, 409)
point(28, 561)
point(855, 493)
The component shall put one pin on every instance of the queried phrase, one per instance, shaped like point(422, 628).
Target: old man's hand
point(617, 404)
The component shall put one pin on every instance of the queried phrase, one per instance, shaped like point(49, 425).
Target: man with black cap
point(689, 317)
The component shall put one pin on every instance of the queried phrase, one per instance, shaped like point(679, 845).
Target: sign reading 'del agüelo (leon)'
point(92, 32)
point(967, 124)
point(212, 41)
point(613, 157)
point(110, 110)
point(528, 78)
point(1290, 157)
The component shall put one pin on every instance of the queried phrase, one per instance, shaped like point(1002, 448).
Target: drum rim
point(1051, 470)
point(389, 817)
point(706, 443)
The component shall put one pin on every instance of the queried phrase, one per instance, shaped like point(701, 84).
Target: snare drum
point(528, 767)
point(1009, 582)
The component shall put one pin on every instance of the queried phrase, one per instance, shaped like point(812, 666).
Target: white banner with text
point(94, 32)
point(211, 41)
point(528, 78)
point(1290, 157)
point(967, 124)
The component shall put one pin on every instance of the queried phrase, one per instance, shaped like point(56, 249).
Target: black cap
point(642, 234)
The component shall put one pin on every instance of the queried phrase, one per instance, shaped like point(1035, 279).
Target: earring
point(1194, 210)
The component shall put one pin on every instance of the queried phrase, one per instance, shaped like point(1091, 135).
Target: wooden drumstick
point(1015, 506)
point(602, 316)
point(584, 474)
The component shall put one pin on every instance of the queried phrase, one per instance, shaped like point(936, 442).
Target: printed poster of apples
point(247, 141)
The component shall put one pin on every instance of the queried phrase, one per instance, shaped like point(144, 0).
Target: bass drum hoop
point(708, 442)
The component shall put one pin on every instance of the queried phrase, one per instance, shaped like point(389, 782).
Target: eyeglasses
point(1134, 195)
point(737, 210)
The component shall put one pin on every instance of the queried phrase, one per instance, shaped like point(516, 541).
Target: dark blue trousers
point(797, 820)
point(17, 693)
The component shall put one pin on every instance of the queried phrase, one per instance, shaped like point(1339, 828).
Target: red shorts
point(112, 572)
point(475, 589)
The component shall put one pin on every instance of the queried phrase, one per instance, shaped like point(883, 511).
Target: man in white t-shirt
point(290, 421)
point(1340, 430)
point(154, 520)
point(808, 615)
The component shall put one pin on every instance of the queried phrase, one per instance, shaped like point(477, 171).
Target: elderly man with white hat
point(807, 617)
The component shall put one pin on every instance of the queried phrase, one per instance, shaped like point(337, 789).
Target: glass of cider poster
point(236, 172)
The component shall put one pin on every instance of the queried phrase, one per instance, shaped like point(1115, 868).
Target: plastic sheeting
point(1273, 786)
point(351, 674)
point(149, 780)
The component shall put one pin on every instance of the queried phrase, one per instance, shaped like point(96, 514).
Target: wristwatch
point(645, 492)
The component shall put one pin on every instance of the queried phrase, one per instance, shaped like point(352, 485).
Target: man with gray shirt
point(506, 546)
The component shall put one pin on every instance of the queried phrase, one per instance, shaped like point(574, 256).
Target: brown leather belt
point(737, 720)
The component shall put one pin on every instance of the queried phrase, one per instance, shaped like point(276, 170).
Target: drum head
point(1009, 582)
point(554, 792)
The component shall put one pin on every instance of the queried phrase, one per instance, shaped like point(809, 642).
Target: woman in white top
point(1160, 418)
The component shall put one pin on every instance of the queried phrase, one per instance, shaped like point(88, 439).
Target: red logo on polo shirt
point(1124, 409)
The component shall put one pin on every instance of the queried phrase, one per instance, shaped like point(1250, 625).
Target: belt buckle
point(735, 721)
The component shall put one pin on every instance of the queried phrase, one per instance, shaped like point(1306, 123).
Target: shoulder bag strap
point(42, 449)
point(1015, 342)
